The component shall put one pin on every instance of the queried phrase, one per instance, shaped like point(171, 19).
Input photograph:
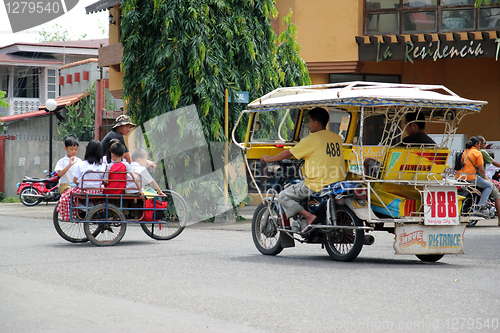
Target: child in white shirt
point(65, 166)
point(140, 158)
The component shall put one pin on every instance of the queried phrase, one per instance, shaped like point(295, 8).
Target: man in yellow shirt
point(324, 163)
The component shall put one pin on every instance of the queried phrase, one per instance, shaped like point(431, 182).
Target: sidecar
point(410, 189)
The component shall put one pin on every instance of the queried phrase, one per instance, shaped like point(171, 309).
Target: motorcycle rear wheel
point(265, 234)
point(345, 244)
point(467, 205)
point(71, 231)
point(29, 201)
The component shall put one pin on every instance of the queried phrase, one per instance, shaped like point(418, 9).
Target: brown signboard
point(434, 50)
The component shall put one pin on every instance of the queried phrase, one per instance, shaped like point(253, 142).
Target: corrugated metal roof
point(25, 115)
point(101, 5)
point(63, 101)
point(14, 58)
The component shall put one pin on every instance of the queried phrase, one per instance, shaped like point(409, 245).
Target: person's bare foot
point(310, 219)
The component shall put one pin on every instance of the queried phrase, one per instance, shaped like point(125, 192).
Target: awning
point(63, 101)
point(101, 5)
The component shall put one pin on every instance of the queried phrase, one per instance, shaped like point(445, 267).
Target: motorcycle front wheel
point(29, 201)
point(265, 234)
point(345, 244)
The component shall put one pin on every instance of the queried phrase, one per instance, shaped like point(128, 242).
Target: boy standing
point(64, 166)
point(140, 158)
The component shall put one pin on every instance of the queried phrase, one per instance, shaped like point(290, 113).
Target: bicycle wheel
point(71, 231)
point(173, 221)
point(107, 229)
point(345, 244)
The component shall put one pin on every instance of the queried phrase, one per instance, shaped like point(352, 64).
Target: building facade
point(439, 42)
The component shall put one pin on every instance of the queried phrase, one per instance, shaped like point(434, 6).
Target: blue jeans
point(486, 186)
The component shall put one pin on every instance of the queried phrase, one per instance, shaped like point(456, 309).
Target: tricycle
point(402, 188)
point(102, 219)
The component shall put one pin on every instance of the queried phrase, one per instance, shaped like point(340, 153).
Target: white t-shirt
point(67, 178)
point(490, 170)
point(92, 179)
point(143, 177)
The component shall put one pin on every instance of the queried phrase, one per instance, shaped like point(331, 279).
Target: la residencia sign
point(410, 51)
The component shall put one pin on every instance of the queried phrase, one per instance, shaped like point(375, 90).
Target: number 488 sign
point(441, 206)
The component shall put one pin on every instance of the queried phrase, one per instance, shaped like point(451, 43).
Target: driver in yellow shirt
point(324, 163)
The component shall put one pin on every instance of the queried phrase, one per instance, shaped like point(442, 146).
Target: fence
point(30, 158)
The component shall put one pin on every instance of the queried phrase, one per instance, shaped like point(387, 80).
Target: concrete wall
point(30, 158)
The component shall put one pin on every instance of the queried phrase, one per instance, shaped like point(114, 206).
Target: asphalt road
point(212, 279)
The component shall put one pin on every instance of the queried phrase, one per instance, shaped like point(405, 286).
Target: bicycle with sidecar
point(102, 219)
point(409, 191)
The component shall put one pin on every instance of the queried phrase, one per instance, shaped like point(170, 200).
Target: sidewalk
point(45, 211)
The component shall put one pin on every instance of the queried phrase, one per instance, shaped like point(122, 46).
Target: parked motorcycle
point(32, 191)
point(471, 203)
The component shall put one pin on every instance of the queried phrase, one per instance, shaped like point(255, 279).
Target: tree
point(58, 34)
point(182, 52)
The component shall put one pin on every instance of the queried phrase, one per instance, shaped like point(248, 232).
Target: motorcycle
point(471, 203)
point(32, 191)
point(337, 227)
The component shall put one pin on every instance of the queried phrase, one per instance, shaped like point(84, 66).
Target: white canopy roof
point(360, 93)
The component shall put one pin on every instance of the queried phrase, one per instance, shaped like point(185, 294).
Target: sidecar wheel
point(429, 257)
point(266, 236)
point(345, 244)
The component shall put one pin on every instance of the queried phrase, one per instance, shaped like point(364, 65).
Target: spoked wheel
point(467, 206)
point(173, 220)
point(345, 244)
point(266, 236)
point(107, 229)
point(429, 257)
point(71, 231)
point(29, 201)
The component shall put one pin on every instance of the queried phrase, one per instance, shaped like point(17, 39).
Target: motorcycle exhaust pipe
point(34, 195)
point(368, 240)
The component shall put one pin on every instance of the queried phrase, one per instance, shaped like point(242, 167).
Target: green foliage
point(3, 199)
point(293, 69)
point(80, 119)
point(3, 103)
point(182, 52)
point(478, 3)
point(58, 34)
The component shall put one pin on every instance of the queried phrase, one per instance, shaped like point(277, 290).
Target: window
point(428, 16)
point(27, 82)
point(51, 83)
point(338, 78)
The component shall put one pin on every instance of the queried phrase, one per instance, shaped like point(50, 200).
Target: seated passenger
point(140, 158)
point(416, 135)
point(117, 171)
point(88, 176)
point(416, 129)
